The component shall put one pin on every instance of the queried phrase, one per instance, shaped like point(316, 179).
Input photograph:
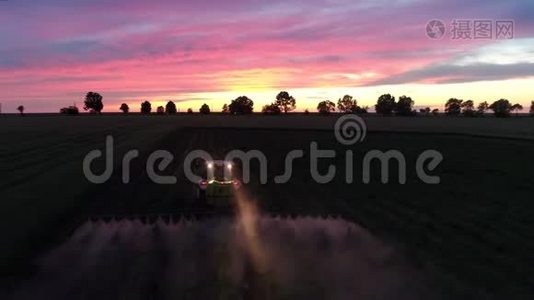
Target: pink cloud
point(134, 48)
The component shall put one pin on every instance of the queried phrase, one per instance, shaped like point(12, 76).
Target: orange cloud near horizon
point(315, 49)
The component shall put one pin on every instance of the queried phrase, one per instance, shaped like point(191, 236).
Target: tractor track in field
point(481, 242)
point(309, 257)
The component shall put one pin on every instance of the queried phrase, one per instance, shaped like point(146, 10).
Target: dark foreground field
point(469, 236)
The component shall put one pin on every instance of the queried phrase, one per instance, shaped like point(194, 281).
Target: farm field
point(472, 233)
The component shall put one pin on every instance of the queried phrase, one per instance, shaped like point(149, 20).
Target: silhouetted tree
point(404, 106)
point(160, 110)
point(501, 108)
point(347, 104)
point(189, 111)
point(468, 108)
point(70, 110)
point(146, 108)
point(285, 102)
point(125, 108)
point(225, 109)
point(326, 107)
point(482, 108)
point(385, 104)
point(517, 108)
point(425, 111)
point(93, 102)
point(453, 107)
point(271, 109)
point(205, 109)
point(360, 110)
point(306, 112)
point(532, 108)
point(170, 108)
point(21, 110)
point(435, 112)
point(241, 106)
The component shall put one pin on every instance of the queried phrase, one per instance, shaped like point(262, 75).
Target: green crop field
point(472, 233)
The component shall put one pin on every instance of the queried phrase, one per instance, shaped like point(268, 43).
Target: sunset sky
point(211, 51)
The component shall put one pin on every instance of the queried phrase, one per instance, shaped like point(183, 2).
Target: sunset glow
point(53, 52)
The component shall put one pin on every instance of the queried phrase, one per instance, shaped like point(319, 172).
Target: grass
point(472, 232)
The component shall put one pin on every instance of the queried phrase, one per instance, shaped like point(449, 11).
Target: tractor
point(219, 186)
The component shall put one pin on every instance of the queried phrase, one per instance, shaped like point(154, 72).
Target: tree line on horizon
point(284, 103)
